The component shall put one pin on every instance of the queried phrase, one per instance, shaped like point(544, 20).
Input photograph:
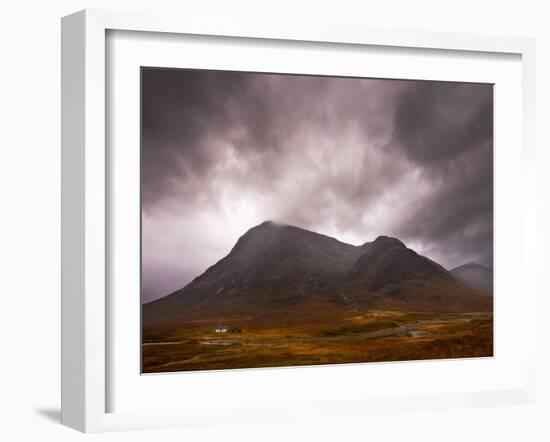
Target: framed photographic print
point(250, 212)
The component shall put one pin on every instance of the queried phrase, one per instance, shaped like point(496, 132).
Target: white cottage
point(220, 328)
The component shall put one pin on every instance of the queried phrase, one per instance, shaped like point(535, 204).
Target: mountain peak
point(266, 226)
point(384, 240)
point(471, 265)
point(269, 223)
point(475, 276)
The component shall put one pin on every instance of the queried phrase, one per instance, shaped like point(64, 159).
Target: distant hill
point(276, 269)
point(475, 276)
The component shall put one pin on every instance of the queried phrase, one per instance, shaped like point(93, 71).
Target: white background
point(29, 221)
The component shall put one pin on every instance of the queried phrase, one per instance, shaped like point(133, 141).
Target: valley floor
point(374, 336)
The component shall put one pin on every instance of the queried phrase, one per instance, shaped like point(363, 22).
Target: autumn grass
point(372, 336)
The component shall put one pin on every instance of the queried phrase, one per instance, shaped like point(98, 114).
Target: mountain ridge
point(276, 267)
point(475, 276)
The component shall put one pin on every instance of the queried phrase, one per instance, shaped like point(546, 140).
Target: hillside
point(283, 272)
point(475, 276)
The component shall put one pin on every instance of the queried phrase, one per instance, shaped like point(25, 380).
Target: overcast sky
point(350, 158)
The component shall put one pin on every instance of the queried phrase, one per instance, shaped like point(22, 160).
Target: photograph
point(302, 220)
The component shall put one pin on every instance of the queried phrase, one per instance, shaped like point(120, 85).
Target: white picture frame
point(86, 205)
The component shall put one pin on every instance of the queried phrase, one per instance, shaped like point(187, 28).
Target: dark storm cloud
point(447, 130)
point(437, 121)
point(352, 158)
point(186, 115)
point(178, 110)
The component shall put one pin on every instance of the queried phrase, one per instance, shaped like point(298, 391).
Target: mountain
point(276, 269)
point(273, 255)
point(387, 261)
point(475, 276)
